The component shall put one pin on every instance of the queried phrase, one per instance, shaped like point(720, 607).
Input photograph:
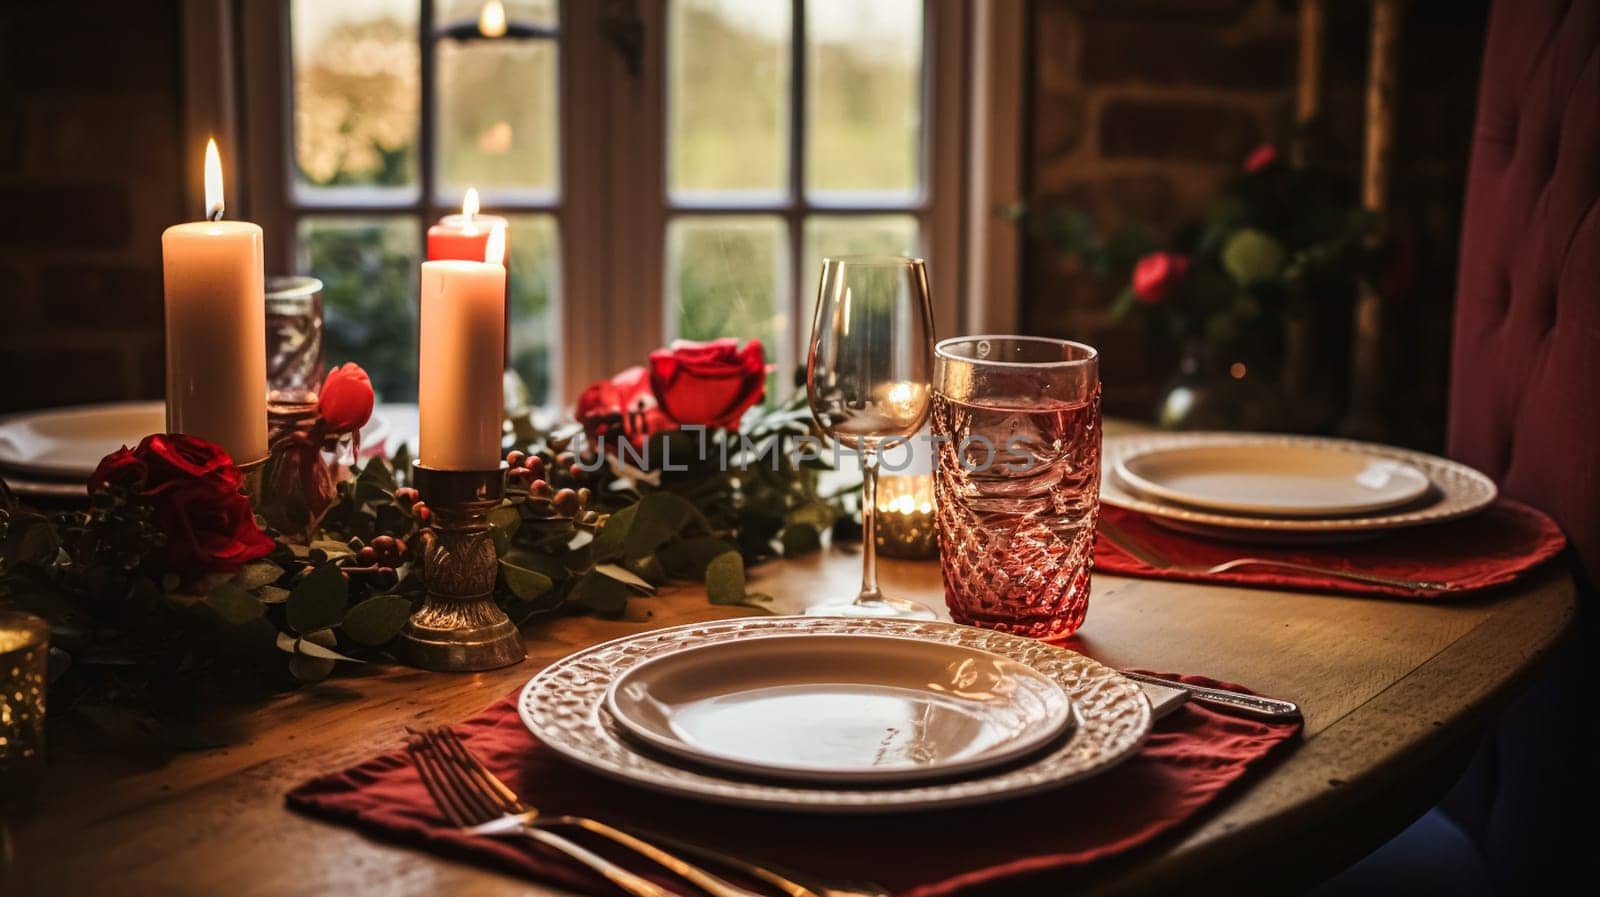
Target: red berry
point(384, 544)
point(566, 502)
point(576, 472)
point(535, 465)
point(514, 458)
point(421, 511)
point(399, 547)
point(367, 556)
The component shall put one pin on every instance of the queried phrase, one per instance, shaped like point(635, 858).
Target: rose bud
point(345, 402)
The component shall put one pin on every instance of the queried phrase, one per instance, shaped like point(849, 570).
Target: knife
point(1269, 709)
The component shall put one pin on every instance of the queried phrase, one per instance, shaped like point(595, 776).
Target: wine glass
point(868, 372)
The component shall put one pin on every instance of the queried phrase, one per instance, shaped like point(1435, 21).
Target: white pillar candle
point(462, 361)
point(216, 328)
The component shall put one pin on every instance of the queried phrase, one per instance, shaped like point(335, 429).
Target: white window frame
point(613, 208)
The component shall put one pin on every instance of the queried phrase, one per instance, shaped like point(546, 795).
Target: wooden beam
point(1367, 386)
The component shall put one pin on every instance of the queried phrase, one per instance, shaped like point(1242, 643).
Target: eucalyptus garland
point(136, 655)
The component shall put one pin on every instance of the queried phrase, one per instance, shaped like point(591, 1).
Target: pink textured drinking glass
point(1016, 422)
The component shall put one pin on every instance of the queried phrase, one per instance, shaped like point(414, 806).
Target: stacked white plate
point(838, 715)
point(1268, 487)
point(52, 453)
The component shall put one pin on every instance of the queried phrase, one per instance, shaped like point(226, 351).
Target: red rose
point(345, 402)
point(172, 455)
point(708, 384)
point(207, 531)
point(121, 468)
point(192, 489)
point(622, 408)
point(1260, 158)
point(1157, 275)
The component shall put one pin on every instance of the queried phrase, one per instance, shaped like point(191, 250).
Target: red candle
point(463, 236)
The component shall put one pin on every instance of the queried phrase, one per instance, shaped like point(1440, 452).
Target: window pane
point(728, 276)
point(864, 100)
point(834, 235)
point(368, 268)
point(535, 288)
point(356, 82)
point(728, 100)
point(497, 118)
point(527, 12)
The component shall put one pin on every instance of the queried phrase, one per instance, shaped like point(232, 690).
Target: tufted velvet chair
point(1525, 402)
point(1525, 386)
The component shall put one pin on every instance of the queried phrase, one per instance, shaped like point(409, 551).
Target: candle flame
point(494, 251)
point(214, 204)
point(469, 205)
point(492, 20)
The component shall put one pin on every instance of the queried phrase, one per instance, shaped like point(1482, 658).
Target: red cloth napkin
point(1479, 552)
point(1192, 756)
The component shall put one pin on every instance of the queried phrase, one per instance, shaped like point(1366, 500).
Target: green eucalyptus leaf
point(658, 517)
point(528, 585)
point(401, 464)
point(650, 569)
point(626, 577)
point(376, 620)
point(310, 670)
point(800, 538)
point(318, 600)
point(579, 539)
point(549, 564)
point(506, 518)
point(725, 579)
point(688, 559)
point(30, 539)
point(1251, 256)
point(609, 542)
point(333, 548)
point(256, 574)
point(272, 595)
point(234, 605)
point(601, 594)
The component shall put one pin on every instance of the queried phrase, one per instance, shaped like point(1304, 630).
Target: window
point(670, 168)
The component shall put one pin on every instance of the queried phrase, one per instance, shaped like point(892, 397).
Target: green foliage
point(1272, 242)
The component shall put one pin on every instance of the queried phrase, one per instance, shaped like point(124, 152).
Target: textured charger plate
point(564, 706)
point(1458, 490)
point(831, 709)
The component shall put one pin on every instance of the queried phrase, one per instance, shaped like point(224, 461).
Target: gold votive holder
point(24, 651)
point(458, 627)
point(906, 526)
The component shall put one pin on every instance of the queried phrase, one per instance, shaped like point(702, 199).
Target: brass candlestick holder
point(459, 628)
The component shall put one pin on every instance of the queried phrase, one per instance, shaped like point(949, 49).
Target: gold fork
point(1120, 538)
point(496, 810)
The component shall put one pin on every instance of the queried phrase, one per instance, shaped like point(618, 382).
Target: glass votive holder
point(906, 527)
point(24, 651)
point(294, 340)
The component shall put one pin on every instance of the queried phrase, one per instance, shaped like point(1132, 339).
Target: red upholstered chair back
point(1525, 384)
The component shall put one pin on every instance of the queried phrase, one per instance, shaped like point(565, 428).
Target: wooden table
point(1393, 694)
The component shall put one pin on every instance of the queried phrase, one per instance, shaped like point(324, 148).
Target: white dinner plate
point(564, 706)
point(1455, 491)
point(834, 708)
point(1303, 479)
point(68, 443)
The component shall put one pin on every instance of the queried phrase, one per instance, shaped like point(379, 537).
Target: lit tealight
point(492, 20)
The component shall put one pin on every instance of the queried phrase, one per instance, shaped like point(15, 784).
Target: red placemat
point(1193, 756)
point(1476, 553)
